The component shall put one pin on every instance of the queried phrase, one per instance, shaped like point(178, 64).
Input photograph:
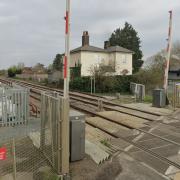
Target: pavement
point(142, 165)
point(135, 170)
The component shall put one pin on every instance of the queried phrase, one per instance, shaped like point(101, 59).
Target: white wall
point(89, 59)
point(123, 61)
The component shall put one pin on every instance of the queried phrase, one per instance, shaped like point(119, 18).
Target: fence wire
point(36, 154)
point(24, 161)
point(174, 94)
point(14, 103)
point(138, 90)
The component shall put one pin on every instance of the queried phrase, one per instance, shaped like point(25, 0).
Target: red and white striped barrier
point(168, 51)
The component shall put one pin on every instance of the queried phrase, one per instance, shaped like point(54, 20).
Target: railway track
point(93, 100)
point(82, 97)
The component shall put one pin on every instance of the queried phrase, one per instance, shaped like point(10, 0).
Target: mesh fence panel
point(36, 154)
point(14, 105)
point(24, 161)
point(6, 165)
point(50, 126)
point(174, 94)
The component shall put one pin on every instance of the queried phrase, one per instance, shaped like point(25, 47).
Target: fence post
point(50, 109)
point(14, 159)
point(64, 132)
point(174, 95)
point(43, 116)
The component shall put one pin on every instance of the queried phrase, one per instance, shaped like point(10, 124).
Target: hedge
point(105, 84)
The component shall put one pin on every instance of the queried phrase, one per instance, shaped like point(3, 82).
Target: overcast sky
point(32, 31)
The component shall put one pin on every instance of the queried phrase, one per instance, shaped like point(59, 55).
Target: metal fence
point(40, 154)
point(53, 142)
point(20, 160)
point(14, 106)
point(138, 90)
point(174, 93)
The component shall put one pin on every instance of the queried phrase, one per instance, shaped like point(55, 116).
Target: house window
point(124, 59)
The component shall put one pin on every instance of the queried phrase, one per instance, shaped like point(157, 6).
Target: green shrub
point(105, 143)
point(12, 71)
point(104, 84)
point(148, 99)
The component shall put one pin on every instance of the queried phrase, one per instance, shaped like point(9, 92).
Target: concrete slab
point(175, 124)
point(146, 137)
point(175, 158)
point(125, 119)
point(168, 129)
point(153, 143)
point(133, 149)
point(149, 108)
point(108, 126)
point(159, 132)
point(134, 170)
point(151, 161)
point(96, 153)
point(137, 113)
point(119, 143)
point(128, 134)
point(173, 138)
point(96, 134)
point(167, 151)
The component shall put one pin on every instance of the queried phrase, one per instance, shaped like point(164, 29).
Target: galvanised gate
point(14, 106)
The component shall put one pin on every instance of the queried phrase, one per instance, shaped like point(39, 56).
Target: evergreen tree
point(128, 38)
point(58, 62)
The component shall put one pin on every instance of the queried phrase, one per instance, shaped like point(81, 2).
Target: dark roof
point(174, 71)
point(88, 48)
point(174, 75)
point(118, 49)
point(97, 49)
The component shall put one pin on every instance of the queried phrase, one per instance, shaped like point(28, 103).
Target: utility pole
point(168, 52)
point(67, 51)
point(64, 127)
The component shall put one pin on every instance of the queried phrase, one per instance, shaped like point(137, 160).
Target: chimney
point(85, 39)
point(106, 44)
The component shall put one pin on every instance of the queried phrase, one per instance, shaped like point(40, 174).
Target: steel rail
point(81, 95)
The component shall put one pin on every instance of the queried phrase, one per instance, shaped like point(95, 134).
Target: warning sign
point(3, 152)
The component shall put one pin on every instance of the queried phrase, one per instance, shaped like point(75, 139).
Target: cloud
point(33, 31)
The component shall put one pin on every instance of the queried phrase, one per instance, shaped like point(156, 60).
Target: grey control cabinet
point(77, 135)
point(159, 98)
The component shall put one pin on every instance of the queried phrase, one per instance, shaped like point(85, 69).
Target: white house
point(119, 58)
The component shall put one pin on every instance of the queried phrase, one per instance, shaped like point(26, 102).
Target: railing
point(14, 106)
point(20, 160)
point(42, 153)
point(178, 95)
point(138, 90)
point(54, 131)
point(174, 94)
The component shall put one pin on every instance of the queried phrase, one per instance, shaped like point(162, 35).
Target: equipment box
point(159, 98)
point(77, 135)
